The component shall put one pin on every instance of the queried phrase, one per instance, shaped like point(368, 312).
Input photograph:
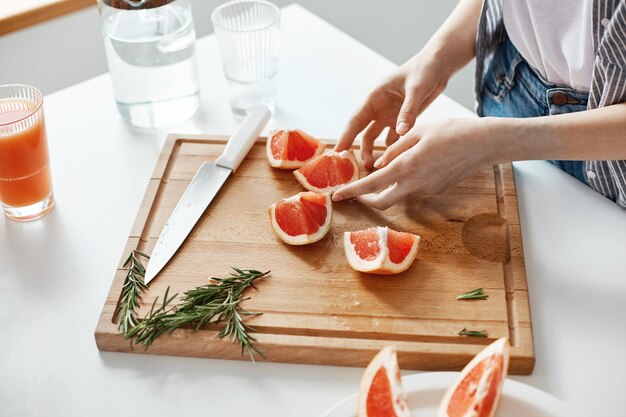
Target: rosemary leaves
point(216, 303)
point(126, 314)
point(477, 294)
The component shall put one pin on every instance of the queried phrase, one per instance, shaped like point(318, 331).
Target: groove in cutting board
point(316, 308)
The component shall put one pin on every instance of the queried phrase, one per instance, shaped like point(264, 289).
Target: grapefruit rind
point(388, 359)
point(285, 163)
point(303, 239)
point(344, 155)
point(381, 264)
point(498, 348)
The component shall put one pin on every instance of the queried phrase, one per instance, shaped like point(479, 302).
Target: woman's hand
point(396, 103)
point(429, 159)
point(432, 157)
point(401, 98)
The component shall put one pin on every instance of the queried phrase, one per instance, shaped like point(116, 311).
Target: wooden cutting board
point(316, 309)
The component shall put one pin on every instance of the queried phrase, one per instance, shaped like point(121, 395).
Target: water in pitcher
point(152, 61)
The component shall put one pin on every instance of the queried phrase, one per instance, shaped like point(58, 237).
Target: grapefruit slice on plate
point(290, 149)
point(477, 390)
point(380, 250)
point(380, 392)
point(303, 218)
point(327, 172)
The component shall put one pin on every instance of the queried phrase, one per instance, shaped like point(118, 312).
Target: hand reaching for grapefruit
point(305, 218)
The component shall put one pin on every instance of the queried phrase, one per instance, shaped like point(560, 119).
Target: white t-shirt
point(554, 37)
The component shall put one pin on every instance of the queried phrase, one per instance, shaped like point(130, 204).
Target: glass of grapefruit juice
point(25, 183)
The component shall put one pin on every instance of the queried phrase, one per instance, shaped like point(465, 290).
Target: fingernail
point(336, 197)
point(402, 127)
point(378, 163)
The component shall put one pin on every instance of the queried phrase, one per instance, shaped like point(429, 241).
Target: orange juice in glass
point(25, 183)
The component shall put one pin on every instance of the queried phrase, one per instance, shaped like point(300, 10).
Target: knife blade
point(203, 188)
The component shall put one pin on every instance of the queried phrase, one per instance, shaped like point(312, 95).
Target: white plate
point(424, 391)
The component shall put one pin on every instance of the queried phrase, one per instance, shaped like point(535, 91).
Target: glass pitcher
point(150, 50)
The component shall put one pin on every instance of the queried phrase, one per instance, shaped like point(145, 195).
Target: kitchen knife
point(203, 188)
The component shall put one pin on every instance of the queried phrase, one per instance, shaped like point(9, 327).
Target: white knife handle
point(244, 138)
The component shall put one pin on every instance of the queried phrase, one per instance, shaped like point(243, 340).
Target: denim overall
point(513, 89)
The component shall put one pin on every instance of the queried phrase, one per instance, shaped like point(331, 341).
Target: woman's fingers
point(405, 143)
point(384, 199)
point(408, 111)
point(367, 143)
point(375, 181)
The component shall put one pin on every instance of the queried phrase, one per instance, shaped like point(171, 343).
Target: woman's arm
point(454, 43)
point(598, 134)
point(397, 101)
point(435, 156)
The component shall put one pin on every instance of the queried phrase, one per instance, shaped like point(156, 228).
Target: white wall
point(69, 49)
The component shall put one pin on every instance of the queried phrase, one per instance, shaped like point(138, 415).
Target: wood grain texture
point(20, 14)
point(316, 309)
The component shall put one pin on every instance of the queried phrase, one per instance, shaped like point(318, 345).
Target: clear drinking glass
point(25, 182)
point(247, 33)
point(150, 49)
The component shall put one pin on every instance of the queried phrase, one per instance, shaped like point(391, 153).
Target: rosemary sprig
point(477, 294)
point(473, 333)
point(132, 290)
point(214, 303)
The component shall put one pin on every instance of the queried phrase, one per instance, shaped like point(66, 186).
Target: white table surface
point(55, 272)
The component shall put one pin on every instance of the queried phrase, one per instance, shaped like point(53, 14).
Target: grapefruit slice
point(380, 250)
point(477, 391)
point(327, 172)
point(291, 149)
point(380, 392)
point(303, 218)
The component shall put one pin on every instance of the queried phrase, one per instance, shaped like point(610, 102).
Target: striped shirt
point(608, 84)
